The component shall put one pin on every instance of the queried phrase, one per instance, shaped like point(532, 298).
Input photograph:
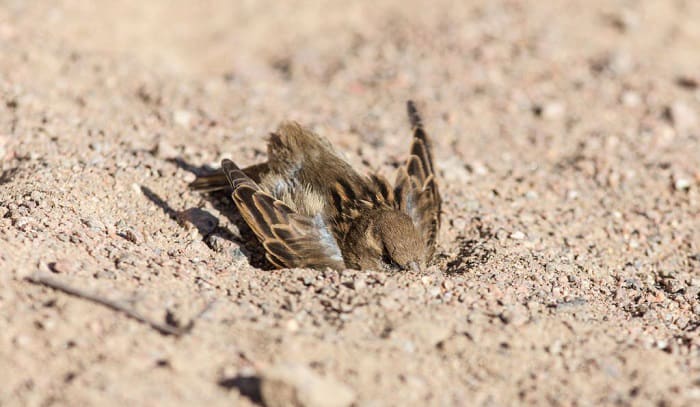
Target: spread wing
point(415, 190)
point(289, 238)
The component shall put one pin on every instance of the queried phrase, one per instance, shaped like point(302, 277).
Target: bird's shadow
point(472, 252)
point(248, 386)
point(221, 201)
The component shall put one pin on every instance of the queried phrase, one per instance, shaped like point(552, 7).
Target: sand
point(567, 140)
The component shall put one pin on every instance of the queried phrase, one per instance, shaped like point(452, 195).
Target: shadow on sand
point(221, 200)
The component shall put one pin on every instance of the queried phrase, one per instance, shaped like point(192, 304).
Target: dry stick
point(52, 282)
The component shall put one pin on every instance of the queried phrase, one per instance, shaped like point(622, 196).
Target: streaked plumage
point(310, 208)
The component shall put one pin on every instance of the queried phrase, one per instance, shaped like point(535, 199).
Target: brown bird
point(310, 208)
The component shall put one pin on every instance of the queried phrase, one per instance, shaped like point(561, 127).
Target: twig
point(52, 282)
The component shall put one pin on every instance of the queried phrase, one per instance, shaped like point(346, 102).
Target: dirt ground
point(567, 137)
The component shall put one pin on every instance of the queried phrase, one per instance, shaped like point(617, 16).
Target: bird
point(309, 208)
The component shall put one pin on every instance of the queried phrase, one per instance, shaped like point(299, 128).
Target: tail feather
point(217, 181)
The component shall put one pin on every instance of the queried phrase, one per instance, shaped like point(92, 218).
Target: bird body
point(310, 208)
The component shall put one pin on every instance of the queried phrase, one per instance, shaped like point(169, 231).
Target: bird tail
point(217, 181)
point(210, 182)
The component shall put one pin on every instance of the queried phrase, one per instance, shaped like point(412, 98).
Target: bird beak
point(414, 266)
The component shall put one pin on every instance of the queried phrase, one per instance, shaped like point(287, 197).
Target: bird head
point(401, 244)
point(387, 240)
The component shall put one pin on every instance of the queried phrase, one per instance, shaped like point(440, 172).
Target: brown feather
point(415, 188)
point(289, 239)
point(310, 208)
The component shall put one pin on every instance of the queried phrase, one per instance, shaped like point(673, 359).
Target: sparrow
point(309, 208)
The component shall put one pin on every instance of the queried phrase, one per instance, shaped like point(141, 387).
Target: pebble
point(516, 315)
point(94, 224)
point(37, 196)
point(292, 325)
point(625, 20)
point(359, 284)
point(620, 63)
point(682, 116)
point(553, 110)
point(182, 117)
point(23, 223)
point(455, 344)
point(517, 235)
point(63, 266)
point(472, 205)
point(131, 235)
point(297, 385)
point(217, 243)
point(631, 99)
point(165, 150)
point(105, 275)
point(681, 184)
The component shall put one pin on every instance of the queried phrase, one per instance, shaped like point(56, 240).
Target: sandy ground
point(567, 136)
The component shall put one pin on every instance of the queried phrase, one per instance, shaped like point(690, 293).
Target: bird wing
point(306, 170)
point(415, 189)
point(289, 238)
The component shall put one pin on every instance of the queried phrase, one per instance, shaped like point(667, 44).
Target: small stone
point(131, 235)
point(555, 347)
point(448, 285)
point(517, 235)
point(620, 63)
point(182, 117)
point(455, 344)
point(23, 223)
point(63, 266)
point(472, 205)
point(531, 195)
point(37, 196)
point(105, 275)
point(631, 99)
point(359, 284)
point(292, 325)
point(217, 243)
point(681, 184)
point(516, 315)
point(165, 150)
point(682, 116)
point(624, 20)
point(479, 168)
point(298, 385)
point(94, 224)
point(553, 110)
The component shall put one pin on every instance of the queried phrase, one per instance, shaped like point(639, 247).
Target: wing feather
point(415, 189)
point(289, 239)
